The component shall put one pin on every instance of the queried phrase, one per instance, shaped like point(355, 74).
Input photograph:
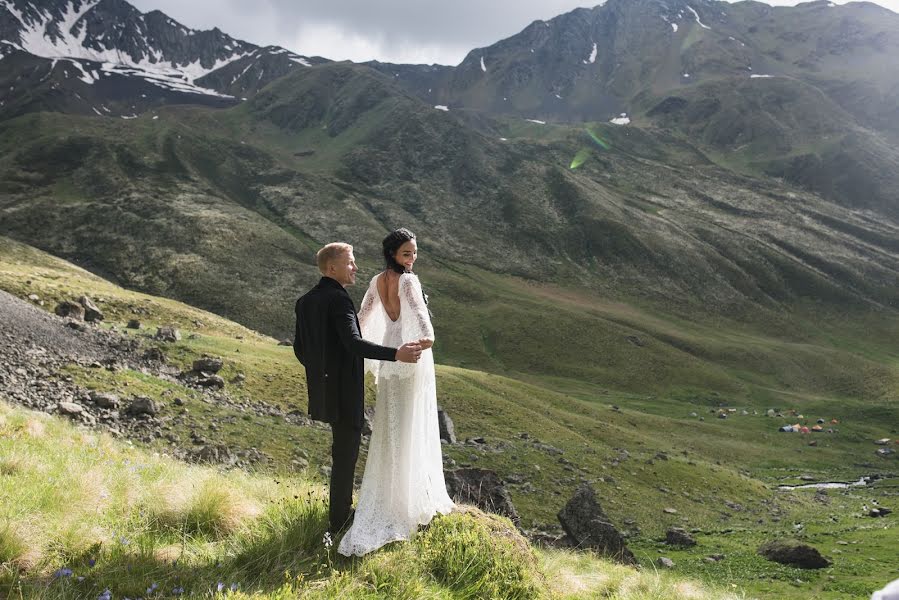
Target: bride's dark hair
point(392, 243)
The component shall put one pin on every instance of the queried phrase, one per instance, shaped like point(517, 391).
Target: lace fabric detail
point(403, 486)
point(414, 321)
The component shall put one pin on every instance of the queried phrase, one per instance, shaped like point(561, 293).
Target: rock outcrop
point(584, 520)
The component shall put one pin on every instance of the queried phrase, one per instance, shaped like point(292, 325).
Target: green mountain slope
point(648, 454)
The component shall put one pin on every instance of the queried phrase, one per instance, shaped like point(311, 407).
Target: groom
point(329, 345)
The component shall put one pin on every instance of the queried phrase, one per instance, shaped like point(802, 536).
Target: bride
point(403, 485)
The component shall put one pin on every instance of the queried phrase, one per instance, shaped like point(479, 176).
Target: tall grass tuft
point(480, 556)
point(287, 536)
point(208, 508)
point(13, 547)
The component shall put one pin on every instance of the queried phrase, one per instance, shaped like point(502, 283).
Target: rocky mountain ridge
point(105, 57)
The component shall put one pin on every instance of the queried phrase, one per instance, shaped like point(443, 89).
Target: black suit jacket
point(329, 345)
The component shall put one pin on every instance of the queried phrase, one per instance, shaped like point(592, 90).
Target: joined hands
point(411, 352)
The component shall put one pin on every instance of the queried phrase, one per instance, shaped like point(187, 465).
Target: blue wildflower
point(106, 595)
point(234, 587)
point(177, 591)
point(92, 562)
point(152, 588)
point(220, 587)
point(64, 572)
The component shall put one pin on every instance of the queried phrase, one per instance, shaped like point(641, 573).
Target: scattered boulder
point(208, 364)
point(794, 553)
point(142, 405)
point(665, 562)
point(154, 355)
point(882, 441)
point(211, 381)
point(216, 454)
point(483, 488)
point(69, 409)
point(167, 334)
point(677, 536)
point(70, 310)
point(285, 343)
point(92, 314)
point(884, 452)
point(134, 324)
point(880, 511)
point(105, 400)
point(584, 520)
point(447, 430)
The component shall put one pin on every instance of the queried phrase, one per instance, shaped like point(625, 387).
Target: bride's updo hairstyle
point(391, 244)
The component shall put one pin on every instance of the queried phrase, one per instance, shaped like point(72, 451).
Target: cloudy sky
point(400, 31)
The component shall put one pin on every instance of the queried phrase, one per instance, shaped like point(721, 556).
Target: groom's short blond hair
point(331, 251)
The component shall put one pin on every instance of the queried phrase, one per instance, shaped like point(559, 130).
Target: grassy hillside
point(83, 514)
point(650, 453)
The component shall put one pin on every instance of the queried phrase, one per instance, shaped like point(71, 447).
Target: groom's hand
point(409, 353)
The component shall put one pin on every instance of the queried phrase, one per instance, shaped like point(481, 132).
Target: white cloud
point(425, 31)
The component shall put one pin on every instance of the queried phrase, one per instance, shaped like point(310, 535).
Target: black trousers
point(344, 453)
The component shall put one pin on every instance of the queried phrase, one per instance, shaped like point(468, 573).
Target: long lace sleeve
point(373, 323)
point(368, 304)
point(416, 320)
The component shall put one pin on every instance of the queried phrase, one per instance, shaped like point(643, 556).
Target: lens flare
point(599, 141)
point(579, 158)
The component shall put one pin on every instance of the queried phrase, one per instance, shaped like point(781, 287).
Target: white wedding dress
point(403, 485)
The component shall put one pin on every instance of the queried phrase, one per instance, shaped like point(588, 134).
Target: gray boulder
point(794, 553)
point(69, 409)
point(483, 488)
point(133, 324)
point(679, 537)
point(154, 355)
point(142, 405)
point(167, 334)
point(208, 364)
point(211, 381)
point(584, 520)
point(70, 310)
point(447, 430)
point(105, 400)
point(665, 562)
point(91, 312)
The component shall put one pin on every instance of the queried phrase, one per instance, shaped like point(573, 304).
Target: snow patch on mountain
point(483, 66)
point(592, 58)
point(64, 36)
point(695, 14)
point(68, 42)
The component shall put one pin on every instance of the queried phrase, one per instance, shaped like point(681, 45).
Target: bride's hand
point(425, 343)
